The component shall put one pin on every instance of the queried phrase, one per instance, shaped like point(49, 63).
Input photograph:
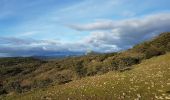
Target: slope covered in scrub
point(149, 80)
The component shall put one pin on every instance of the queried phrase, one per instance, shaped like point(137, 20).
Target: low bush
point(153, 51)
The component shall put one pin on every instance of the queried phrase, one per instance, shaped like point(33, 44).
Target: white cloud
point(133, 22)
point(12, 46)
point(25, 34)
point(124, 33)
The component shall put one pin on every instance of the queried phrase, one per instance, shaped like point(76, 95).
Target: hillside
point(149, 80)
point(20, 75)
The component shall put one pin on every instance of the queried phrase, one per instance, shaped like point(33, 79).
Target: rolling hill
point(149, 80)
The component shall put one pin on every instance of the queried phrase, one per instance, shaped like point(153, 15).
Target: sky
point(49, 27)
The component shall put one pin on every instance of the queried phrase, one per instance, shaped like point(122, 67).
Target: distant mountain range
point(59, 55)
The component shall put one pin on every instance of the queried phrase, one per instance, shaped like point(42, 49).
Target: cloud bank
point(105, 36)
point(123, 34)
point(11, 46)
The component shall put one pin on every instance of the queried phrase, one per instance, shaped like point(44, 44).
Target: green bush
point(153, 51)
point(14, 86)
point(123, 62)
point(168, 46)
point(2, 90)
point(80, 69)
point(96, 68)
point(41, 83)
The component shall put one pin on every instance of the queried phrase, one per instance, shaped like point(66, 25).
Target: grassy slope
point(148, 80)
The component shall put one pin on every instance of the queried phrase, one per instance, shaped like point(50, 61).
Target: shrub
point(94, 69)
point(168, 46)
point(80, 69)
point(123, 62)
point(14, 86)
point(63, 78)
point(153, 51)
point(42, 83)
point(128, 61)
point(2, 90)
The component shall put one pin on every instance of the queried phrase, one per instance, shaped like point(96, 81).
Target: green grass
point(149, 80)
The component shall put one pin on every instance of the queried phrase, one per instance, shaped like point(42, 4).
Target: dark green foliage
point(16, 86)
point(159, 45)
point(168, 47)
point(123, 62)
point(62, 79)
point(11, 71)
point(94, 69)
point(153, 51)
point(42, 83)
point(80, 69)
point(130, 61)
point(2, 90)
point(14, 66)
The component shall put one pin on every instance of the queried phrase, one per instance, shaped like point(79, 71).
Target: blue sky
point(28, 27)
